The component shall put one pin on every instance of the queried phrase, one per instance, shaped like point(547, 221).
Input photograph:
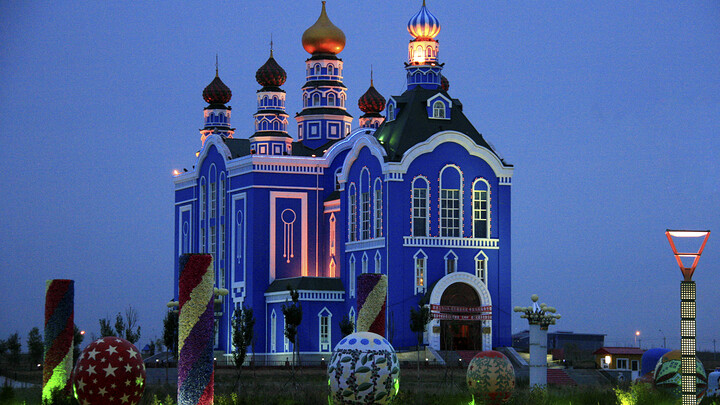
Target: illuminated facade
point(416, 194)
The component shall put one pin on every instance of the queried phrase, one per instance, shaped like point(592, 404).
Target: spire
point(271, 45)
point(371, 75)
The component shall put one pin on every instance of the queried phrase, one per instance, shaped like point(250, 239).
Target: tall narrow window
point(212, 223)
point(390, 112)
point(203, 215)
point(331, 100)
point(317, 69)
point(351, 276)
point(352, 212)
point(481, 209)
point(316, 100)
point(438, 109)
point(378, 208)
point(325, 317)
point(221, 231)
point(450, 262)
point(364, 263)
point(273, 332)
point(286, 341)
point(333, 268)
point(352, 318)
point(420, 195)
point(450, 209)
point(378, 262)
point(332, 234)
point(420, 259)
point(481, 267)
point(365, 204)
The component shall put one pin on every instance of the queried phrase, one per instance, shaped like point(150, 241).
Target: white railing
point(375, 243)
point(426, 241)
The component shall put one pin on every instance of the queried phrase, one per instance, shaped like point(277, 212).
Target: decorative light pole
point(539, 317)
point(687, 311)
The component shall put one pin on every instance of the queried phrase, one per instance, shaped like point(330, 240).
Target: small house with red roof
point(618, 358)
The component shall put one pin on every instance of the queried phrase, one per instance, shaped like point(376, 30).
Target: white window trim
point(332, 241)
point(627, 363)
point(203, 215)
point(438, 110)
point(378, 262)
point(352, 213)
point(377, 208)
point(420, 278)
point(325, 313)
point(481, 257)
point(364, 263)
point(488, 223)
point(286, 341)
point(351, 276)
point(273, 332)
point(460, 202)
point(391, 111)
point(451, 256)
point(365, 205)
point(427, 205)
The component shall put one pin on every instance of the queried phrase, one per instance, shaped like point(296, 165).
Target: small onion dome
point(323, 36)
point(444, 83)
point(217, 92)
point(271, 74)
point(424, 25)
point(371, 101)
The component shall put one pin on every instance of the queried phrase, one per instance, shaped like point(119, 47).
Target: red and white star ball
point(110, 371)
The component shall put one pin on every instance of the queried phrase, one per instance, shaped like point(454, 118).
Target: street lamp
point(539, 317)
point(637, 334)
point(687, 311)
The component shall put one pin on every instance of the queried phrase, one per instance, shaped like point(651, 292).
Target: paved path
point(155, 376)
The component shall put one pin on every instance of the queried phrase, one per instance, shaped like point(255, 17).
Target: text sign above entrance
point(453, 317)
point(467, 310)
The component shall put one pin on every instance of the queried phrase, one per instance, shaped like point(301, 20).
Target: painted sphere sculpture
point(491, 378)
point(668, 375)
point(363, 369)
point(110, 371)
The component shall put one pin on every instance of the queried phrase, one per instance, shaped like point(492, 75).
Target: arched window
point(317, 69)
point(352, 213)
point(450, 262)
point(212, 183)
point(305, 100)
point(390, 112)
point(438, 109)
point(420, 202)
point(378, 262)
point(275, 101)
point(342, 100)
point(221, 231)
point(325, 317)
point(286, 341)
point(420, 259)
point(275, 125)
point(273, 331)
point(481, 209)
point(419, 54)
point(378, 208)
point(352, 317)
point(364, 263)
point(450, 202)
point(316, 100)
point(364, 204)
point(331, 99)
point(264, 102)
point(330, 69)
point(351, 276)
point(429, 52)
point(481, 266)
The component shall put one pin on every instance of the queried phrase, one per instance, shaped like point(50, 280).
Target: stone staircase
point(558, 377)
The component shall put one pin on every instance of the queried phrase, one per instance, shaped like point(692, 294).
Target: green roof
point(306, 284)
point(412, 124)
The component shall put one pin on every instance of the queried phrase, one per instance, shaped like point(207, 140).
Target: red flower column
point(195, 334)
point(59, 332)
point(372, 301)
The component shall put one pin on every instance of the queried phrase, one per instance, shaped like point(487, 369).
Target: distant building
point(619, 358)
point(416, 194)
point(562, 340)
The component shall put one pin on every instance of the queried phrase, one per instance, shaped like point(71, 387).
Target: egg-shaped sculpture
point(668, 375)
point(491, 378)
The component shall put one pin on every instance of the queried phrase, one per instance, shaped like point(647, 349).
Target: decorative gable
point(439, 107)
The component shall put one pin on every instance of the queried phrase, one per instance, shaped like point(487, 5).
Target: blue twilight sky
point(610, 112)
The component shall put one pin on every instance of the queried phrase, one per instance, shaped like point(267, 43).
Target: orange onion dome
point(323, 36)
point(372, 101)
point(271, 74)
point(217, 92)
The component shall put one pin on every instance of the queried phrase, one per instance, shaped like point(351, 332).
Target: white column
point(538, 356)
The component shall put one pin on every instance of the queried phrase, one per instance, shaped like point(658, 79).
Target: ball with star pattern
point(110, 371)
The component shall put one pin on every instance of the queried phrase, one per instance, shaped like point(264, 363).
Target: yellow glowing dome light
point(323, 36)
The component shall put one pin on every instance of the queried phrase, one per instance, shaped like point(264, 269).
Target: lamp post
point(687, 311)
point(539, 317)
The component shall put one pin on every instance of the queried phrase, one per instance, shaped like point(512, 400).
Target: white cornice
point(362, 140)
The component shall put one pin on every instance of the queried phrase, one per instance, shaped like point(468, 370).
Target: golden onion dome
point(323, 36)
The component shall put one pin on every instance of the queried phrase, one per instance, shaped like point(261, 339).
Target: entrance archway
point(434, 329)
point(460, 335)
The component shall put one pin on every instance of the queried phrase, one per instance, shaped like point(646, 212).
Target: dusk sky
point(610, 112)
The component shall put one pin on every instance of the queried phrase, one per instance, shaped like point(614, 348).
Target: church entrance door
point(460, 335)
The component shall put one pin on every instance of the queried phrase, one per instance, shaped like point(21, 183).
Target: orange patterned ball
point(491, 377)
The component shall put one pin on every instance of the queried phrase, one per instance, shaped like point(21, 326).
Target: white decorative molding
point(305, 295)
point(437, 293)
point(505, 181)
point(362, 141)
point(274, 195)
point(332, 206)
point(432, 241)
point(461, 139)
point(375, 243)
point(394, 176)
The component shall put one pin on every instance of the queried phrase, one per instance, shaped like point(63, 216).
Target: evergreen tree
point(35, 345)
point(346, 326)
point(14, 346)
point(243, 323)
point(293, 318)
point(418, 321)
point(170, 332)
point(77, 340)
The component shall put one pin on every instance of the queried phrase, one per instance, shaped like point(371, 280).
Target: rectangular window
point(419, 274)
point(450, 265)
point(621, 364)
point(332, 234)
point(378, 212)
point(353, 218)
point(273, 333)
point(221, 256)
point(420, 212)
point(213, 241)
point(351, 276)
point(324, 333)
point(481, 270)
point(213, 200)
point(450, 213)
point(480, 214)
point(634, 365)
point(286, 341)
point(365, 209)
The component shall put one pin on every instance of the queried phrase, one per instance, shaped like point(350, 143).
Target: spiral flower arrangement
point(195, 341)
point(59, 332)
point(372, 298)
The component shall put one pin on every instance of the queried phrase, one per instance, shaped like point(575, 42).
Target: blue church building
point(412, 191)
